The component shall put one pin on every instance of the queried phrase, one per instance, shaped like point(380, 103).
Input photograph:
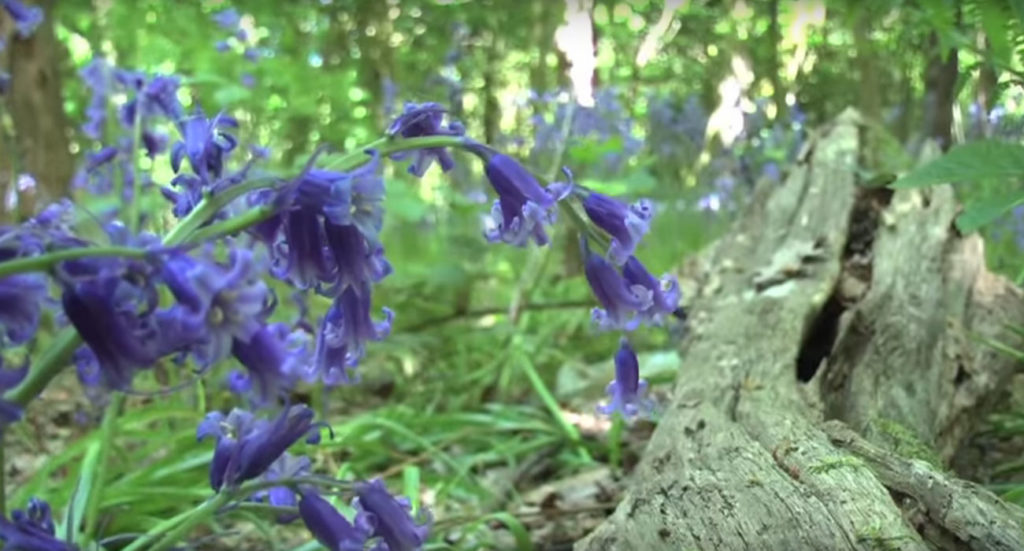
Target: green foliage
point(969, 163)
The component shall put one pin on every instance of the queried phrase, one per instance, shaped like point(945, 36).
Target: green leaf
point(982, 212)
point(971, 162)
point(515, 527)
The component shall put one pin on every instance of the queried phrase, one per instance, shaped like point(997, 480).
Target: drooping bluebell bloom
point(21, 299)
point(365, 198)
point(420, 120)
point(113, 318)
point(391, 518)
point(156, 96)
point(329, 527)
point(303, 256)
point(252, 54)
point(359, 260)
point(26, 18)
point(664, 292)
point(222, 304)
point(627, 392)
point(32, 529)
point(287, 467)
point(247, 446)
point(205, 144)
point(626, 224)
point(330, 224)
point(222, 46)
point(98, 77)
point(523, 208)
point(5, 82)
point(228, 19)
point(274, 358)
point(621, 300)
point(344, 332)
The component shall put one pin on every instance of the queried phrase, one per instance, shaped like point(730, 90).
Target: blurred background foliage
point(691, 103)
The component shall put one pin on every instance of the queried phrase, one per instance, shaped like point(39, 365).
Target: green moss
point(901, 439)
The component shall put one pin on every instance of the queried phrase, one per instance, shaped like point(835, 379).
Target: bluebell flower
point(420, 120)
point(330, 223)
point(247, 446)
point(251, 54)
point(627, 392)
point(5, 82)
point(227, 19)
point(222, 46)
point(664, 292)
point(21, 299)
point(620, 299)
point(523, 208)
point(205, 144)
point(222, 304)
point(156, 96)
point(391, 518)
point(344, 331)
point(98, 77)
point(364, 199)
point(303, 256)
point(32, 529)
point(287, 467)
point(329, 527)
point(248, 80)
point(26, 18)
point(104, 312)
point(359, 259)
point(274, 358)
point(626, 224)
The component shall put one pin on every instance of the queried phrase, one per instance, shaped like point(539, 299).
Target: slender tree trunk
point(37, 111)
point(492, 83)
point(775, 61)
point(987, 92)
point(870, 94)
point(941, 73)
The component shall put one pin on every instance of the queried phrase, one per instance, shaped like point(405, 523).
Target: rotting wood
point(826, 301)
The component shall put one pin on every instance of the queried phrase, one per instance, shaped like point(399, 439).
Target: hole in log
point(819, 339)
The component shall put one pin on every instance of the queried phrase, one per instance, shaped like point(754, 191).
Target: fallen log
point(830, 375)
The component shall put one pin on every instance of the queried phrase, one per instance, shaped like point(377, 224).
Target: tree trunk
point(940, 76)
point(37, 109)
point(828, 374)
point(775, 62)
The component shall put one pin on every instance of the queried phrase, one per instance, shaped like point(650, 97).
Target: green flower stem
point(232, 225)
point(210, 205)
point(176, 528)
point(133, 206)
point(46, 261)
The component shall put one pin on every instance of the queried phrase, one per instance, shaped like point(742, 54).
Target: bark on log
point(830, 324)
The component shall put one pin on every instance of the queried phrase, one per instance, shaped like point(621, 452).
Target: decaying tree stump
point(831, 330)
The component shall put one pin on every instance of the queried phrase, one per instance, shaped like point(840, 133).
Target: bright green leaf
point(982, 212)
point(968, 163)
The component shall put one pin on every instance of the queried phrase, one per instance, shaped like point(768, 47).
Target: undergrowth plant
point(234, 273)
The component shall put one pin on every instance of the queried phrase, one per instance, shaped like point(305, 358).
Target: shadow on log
point(830, 373)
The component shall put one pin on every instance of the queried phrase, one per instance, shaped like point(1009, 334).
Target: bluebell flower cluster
point(606, 125)
point(32, 529)
point(381, 519)
point(230, 20)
